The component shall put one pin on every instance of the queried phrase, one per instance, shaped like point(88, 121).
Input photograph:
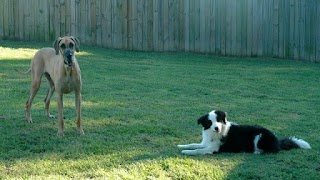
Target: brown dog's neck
point(68, 70)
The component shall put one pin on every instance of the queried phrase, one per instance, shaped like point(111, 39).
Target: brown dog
point(60, 67)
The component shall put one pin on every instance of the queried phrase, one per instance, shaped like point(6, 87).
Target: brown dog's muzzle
point(68, 57)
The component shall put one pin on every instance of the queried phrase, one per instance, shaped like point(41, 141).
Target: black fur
point(205, 122)
point(240, 139)
point(221, 116)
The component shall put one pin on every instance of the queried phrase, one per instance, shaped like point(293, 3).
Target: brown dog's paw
point(60, 133)
point(80, 132)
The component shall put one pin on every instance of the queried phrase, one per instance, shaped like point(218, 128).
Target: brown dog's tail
point(23, 73)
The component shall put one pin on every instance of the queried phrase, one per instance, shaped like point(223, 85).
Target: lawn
point(137, 106)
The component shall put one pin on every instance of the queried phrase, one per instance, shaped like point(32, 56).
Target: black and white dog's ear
point(205, 122)
point(221, 116)
point(202, 119)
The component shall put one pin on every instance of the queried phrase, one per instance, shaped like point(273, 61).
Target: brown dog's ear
point(56, 45)
point(77, 43)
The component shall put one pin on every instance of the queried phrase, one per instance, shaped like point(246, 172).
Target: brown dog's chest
point(68, 85)
point(71, 82)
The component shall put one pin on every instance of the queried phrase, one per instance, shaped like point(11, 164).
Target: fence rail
point(277, 28)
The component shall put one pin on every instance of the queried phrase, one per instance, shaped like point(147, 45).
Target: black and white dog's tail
point(293, 143)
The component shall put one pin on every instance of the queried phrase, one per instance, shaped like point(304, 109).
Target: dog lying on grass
point(220, 135)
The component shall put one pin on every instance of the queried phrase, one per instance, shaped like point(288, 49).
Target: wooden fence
point(277, 28)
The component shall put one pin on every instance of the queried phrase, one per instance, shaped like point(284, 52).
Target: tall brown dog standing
point(60, 67)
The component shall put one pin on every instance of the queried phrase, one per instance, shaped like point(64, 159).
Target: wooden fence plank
point(73, 21)
point(42, 21)
point(228, 27)
point(67, 18)
point(249, 28)
point(156, 25)
point(62, 18)
point(255, 28)
point(98, 23)
point(165, 26)
point(302, 27)
point(6, 19)
point(46, 21)
point(234, 27)
point(238, 28)
point(15, 14)
point(281, 21)
point(138, 37)
point(222, 24)
point(135, 40)
point(202, 25)
point(313, 32)
point(307, 48)
point(57, 18)
point(207, 10)
point(286, 5)
point(276, 28)
point(20, 9)
point(124, 24)
point(318, 34)
point(171, 25)
point(260, 27)
point(196, 26)
point(244, 21)
point(26, 15)
point(213, 27)
point(160, 26)
point(187, 25)
point(176, 25)
point(92, 22)
point(108, 23)
point(291, 29)
point(144, 27)
point(150, 23)
point(11, 20)
point(116, 24)
point(1, 19)
point(264, 25)
point(296, 33)
point(191, 25)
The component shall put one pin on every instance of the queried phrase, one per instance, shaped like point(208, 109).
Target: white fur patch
point(212, 116)
point(301, 143)
point(255, 142)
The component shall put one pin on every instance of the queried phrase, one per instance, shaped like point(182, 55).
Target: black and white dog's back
point(220, 135)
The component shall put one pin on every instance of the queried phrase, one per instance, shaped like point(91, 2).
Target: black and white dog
point(220, 135)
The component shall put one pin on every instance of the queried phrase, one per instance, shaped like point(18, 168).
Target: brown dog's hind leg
point(35, 84)
point(48, 96)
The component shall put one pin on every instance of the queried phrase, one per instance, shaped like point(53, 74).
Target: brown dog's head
point(66, 46)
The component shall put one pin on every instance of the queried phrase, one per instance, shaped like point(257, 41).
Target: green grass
point(137, 106)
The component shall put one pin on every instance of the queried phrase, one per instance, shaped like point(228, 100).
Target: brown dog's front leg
point(60, 112)
point(78, 109)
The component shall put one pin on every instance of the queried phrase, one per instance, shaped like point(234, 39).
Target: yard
point(137, 106)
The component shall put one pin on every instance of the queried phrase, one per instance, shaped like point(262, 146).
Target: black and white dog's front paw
point(182, 146)
point(188, 152)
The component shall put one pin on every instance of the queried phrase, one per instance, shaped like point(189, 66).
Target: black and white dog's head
point(215, 120)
